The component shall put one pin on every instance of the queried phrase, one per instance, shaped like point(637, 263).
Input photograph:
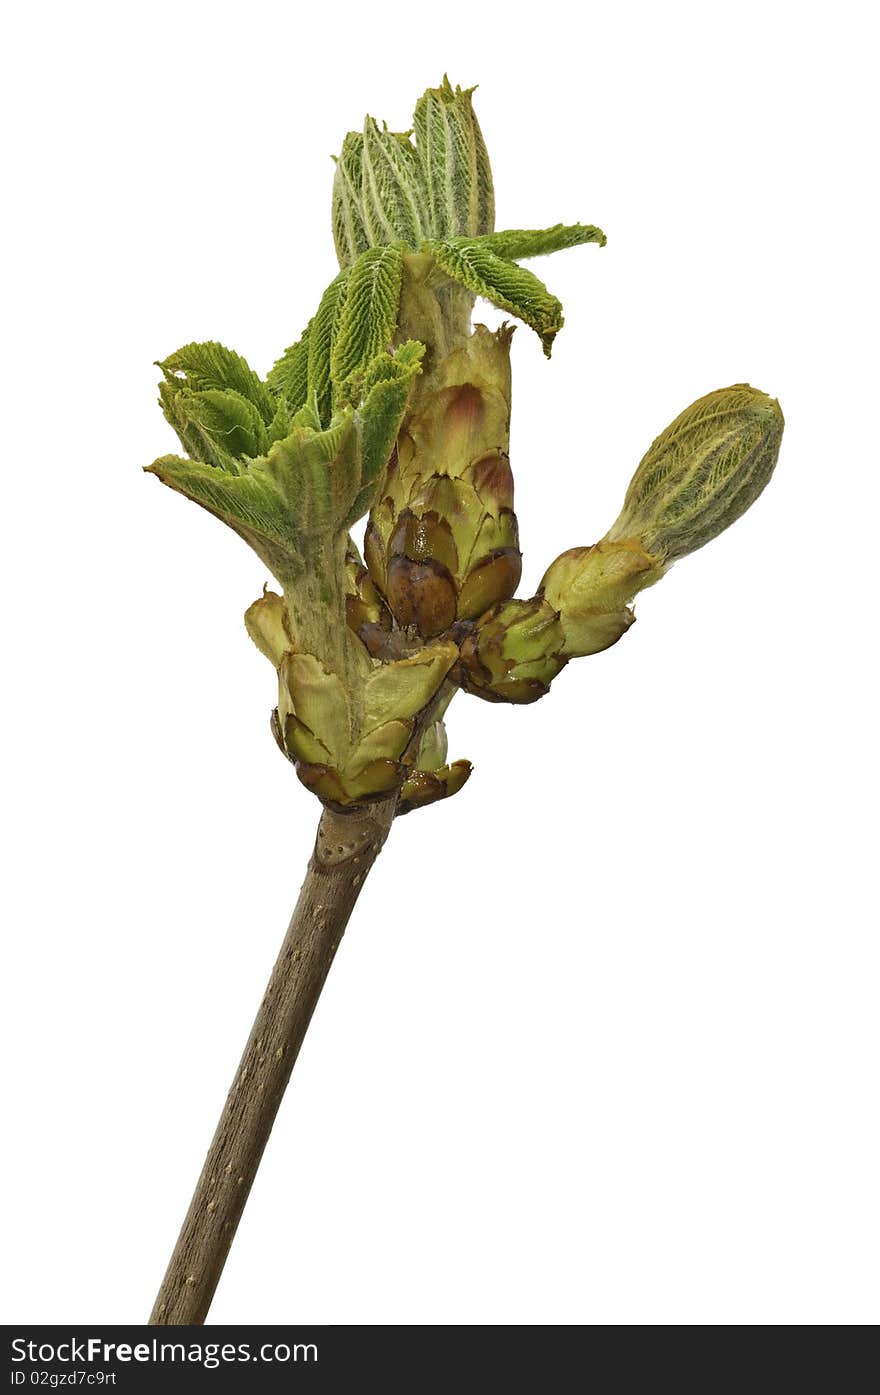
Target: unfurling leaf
point(312, 484)
point(349, 229)
point(317, 474)
point(504, 283)
point(394, 196)
point(218, 406)
point(454, 162)
point(368, 314)
point(387, 386)
point(215, 426)
point(322, 332)
point(248, 502)
point(288, 378)
point(203, 367)
point(517, 244)
point(388, 190)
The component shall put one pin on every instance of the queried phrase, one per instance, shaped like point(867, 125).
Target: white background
point(601, 1044)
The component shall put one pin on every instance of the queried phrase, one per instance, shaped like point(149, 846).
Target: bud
point(455, 163)
point(514, 654)
point(702, 473)
point(442, 544)
point(350, 752)
point(591, 588)
point(432, 777)
point(388, 189)
point(423, 787)
point(218, 406)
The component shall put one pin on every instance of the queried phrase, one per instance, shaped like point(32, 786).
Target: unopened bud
point(391, 189)
point(702, 472)
point(514, 654)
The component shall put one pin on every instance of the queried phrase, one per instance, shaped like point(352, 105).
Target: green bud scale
point(442, 543)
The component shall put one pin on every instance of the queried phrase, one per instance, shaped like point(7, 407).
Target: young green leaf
point(214, 426)
point(368, 316)
point(203, 367)
point(288, 377)
point(310, 485)
point(172, 400)
point(394, 195)
point(228, 419)
point(322, 333)
point(349, 228)
point(455, 163)
point(280, 425)
point(249, 503)
point(504, 283)
point(387, 387)
point(318, 474)
point(518, 243)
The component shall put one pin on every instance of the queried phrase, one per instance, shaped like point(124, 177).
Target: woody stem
point(345, 849)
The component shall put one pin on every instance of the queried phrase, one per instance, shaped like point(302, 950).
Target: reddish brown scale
point(492, 478)
point(421, 594)
point(494, 579)
point(464, 408)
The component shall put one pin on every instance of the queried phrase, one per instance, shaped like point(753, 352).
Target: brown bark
point(345, 849)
